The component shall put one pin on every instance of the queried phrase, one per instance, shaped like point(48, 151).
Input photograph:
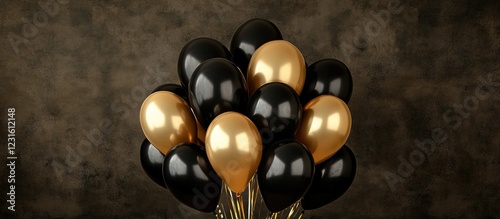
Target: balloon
point(277, 61)
point(250, 36)
point(190, 178)
point(197, 51)
point(174, 88)
point(166, 120)
point(201, 132)
point(276, 111)
point(332, 179)
point(327, 76)
point(325, 126)
point(234, 149)
point(152, 162)
point(217, 86)
point(285, 174)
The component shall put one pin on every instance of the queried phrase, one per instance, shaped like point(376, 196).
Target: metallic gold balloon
point(166, 120)
point(276, 61)
point(234, 148)
point(325, 127)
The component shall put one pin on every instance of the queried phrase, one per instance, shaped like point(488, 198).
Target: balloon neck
point(238, 194)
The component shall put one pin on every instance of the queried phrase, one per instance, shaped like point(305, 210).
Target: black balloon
point(276, 110)
point(196, 52)
point(152, 162)
point(327, 76)
point(174, 88)
point(332, 179)
point(249, 37)
point(285, 173)
point(217, 86)
point(190, 178)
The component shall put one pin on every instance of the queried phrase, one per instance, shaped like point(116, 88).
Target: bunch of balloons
point(254, 110)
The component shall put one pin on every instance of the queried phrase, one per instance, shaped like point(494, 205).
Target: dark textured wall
point(85, 65)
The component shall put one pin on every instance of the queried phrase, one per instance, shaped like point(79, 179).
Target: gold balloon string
point(273, 215)
point(262, 208)
point(217, 212)
point(220, 212)
point(294, 210)
point(240, 206)
point(224, 210)
point(236, 200)
point(229, 201)
point(300, 215)
point(260, 201)
point(253, 190)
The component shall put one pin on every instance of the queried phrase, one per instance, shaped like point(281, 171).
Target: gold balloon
point(276, 61)
point(234, 148)
point(325, 126)
point(166, 120)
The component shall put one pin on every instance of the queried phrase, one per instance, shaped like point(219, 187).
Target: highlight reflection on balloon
point(285, 174)
point(276, 110)
point(152, 162)
point(327, 76)
point(325, 127)
point(217, 86)
point(166, 120)
point(190, 178)
point(249, 37)
point(234, 148)
point(332, 179)
point(276, 61)
point(196, 52)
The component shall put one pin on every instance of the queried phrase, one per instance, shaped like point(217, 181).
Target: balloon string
point(229, 201)
point(252, 197)
point(240, 206)
point(236, 205)
point(293, 210)
point(250, 206)
point(260, 203)
point(301, 214)
point(223, 212)
point(217, 211)
point(220, 212)
point(273, 215)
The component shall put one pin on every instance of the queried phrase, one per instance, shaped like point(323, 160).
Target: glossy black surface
point(276, 110)
point(249, 37)
point(152, 162)
point(285, 173)
point(217, 86)
point(196, 52)
point(332, 179)
point(190, 178)
point(174, 88)
point(327, 76)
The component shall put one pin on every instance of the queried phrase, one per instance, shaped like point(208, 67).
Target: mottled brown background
point(92, 54)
